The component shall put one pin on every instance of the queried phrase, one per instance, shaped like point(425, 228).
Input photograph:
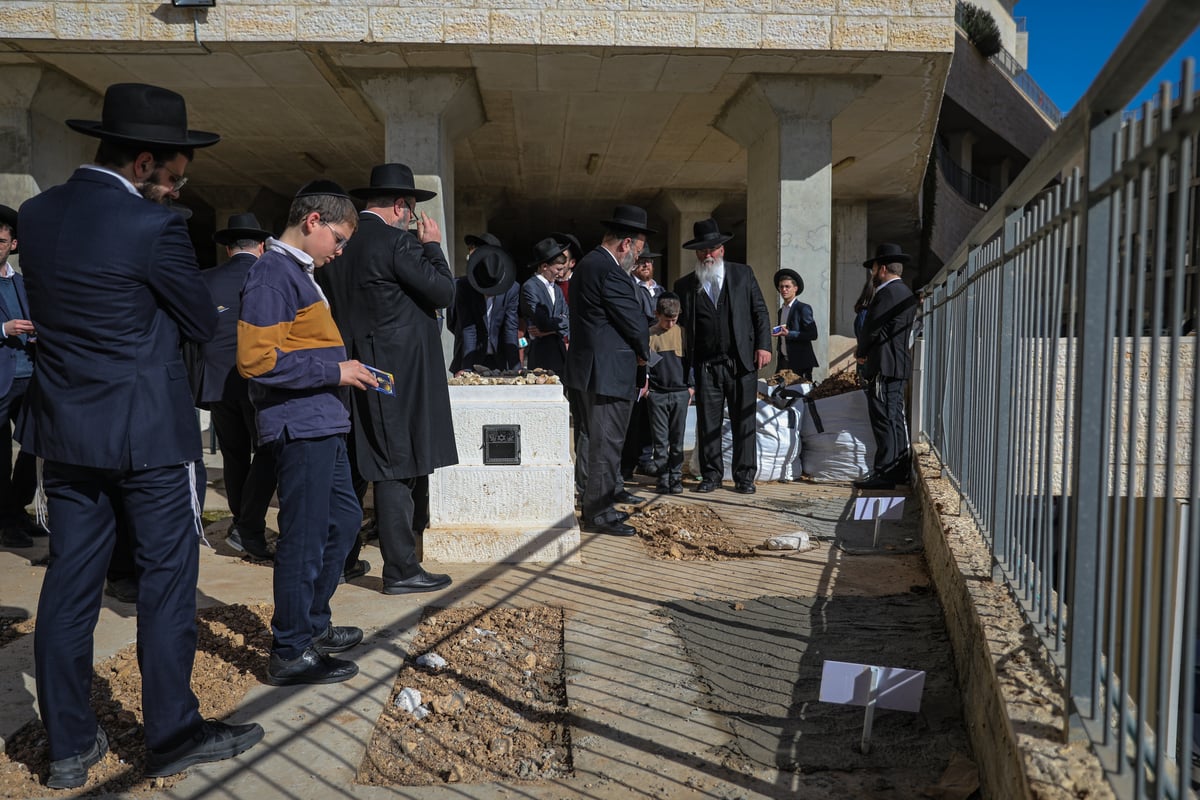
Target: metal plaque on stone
point(501, 444)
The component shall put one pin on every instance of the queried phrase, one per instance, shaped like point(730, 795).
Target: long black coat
point(884, 337)
point(751, 322)
point(608, 328)
point(384, 292)
point(545, 352)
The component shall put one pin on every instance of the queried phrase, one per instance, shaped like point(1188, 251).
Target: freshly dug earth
point(497, 710)
point(675, 532)
point(231, 656)
point(838, 383)
point(13, 628)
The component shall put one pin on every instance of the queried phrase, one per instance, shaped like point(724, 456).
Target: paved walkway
point(641, 728)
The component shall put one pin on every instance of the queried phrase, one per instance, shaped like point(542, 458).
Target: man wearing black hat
point(544, 309)
point(16, 368)
point(728, 341)
point(886, 363)
point(113, 289)
point(484, 317)
point(249, 471)
point(609, 342)
point(797, 329)
point(385, 292)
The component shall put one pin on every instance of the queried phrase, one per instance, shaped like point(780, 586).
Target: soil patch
point(762, 661)
point(231, 656)
point(675, 532)
point(13, 628)
point(497, 710)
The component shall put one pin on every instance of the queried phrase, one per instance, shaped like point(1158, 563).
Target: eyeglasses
point(339, 241)
point(177, 181)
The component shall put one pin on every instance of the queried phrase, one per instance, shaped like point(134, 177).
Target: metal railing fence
point(1059, 392)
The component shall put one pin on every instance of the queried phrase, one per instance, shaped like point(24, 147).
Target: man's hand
point(780, 331)
point(428, 230)
point(762, 358)
point(15, 327)
point(860, 360)
point(356, 375)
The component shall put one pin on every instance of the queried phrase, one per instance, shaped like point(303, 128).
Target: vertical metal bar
point(1045, 339)
point(1021, 500)
point(1002, 481)
point(967, 300)
point(1090, 414)
point(1068, 242)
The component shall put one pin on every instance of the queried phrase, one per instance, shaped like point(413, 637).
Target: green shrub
point(981, 29)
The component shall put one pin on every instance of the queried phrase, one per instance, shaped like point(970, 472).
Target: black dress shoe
point(676, 488)
point(612, 528)
point(707, 486)
point(308, 667)
point(123, 589)
point(623, 496)
point(746, 487)
point(421, 582)
point(875, 482)
point(662, 489)
point(337, 639)
point(212, 741)
point(359, 568)
point(71, 773)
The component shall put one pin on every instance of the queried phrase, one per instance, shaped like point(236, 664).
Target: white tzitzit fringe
point(39, 499)
point(191, 478)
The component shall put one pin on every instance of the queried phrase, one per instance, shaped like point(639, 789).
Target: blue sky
point(1069, 41)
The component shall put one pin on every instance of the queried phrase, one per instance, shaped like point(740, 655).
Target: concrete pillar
point(849, 251)
point(961, 145)
point(472, 215)
point(1004, 173)
point(58, 150)
point(786, 125)
point(17, 183)
point(681, 209)
point(424, 112)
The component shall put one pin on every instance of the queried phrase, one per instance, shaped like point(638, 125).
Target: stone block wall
point(874, 25)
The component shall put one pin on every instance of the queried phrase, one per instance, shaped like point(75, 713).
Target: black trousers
point(607, 420)
point(579, 423)
point(668, 421)
point(249, 471)
point(885, 407)
point(719, 383)
point(85, 508)
point(637, 449)
point(18, 483)
point(401, 515)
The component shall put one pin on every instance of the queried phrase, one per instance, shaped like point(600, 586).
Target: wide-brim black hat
point(547, 250)
point(629, 218)
point(792, 274)
point(888, 253)
point(646, 255)
point(569, 239)
point(392, 179)
point(8, 216)
point(142, 114)
point(706, 233)
point(490, 271)
point(241, 226)
point(483, 240)
point(324, 187)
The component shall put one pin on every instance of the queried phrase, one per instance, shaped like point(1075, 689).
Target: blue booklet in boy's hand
point(387, 383)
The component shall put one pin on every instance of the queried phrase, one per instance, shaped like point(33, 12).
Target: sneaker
point(212, 741)
point(253, 545)
point(310, 667)
point(337, 639)
point(123, 589)
point(71, 773)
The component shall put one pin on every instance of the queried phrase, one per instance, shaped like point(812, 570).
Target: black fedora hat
point(628, 218)
point(793, 275)
point(888, 253)
point(484, 240)
point(320, 186)
point(490, 271)
point(144, 114)
point(706, 233)
point(573, 244)
point(392, 179)
point(240, 226)
point(646, 255)
point(546, 250)
point(8, 216)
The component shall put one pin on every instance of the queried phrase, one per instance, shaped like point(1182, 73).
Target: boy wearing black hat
point(544, 309)
point(797, 329)
point(292, 353)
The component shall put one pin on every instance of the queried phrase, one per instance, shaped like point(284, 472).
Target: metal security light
point(194, 3)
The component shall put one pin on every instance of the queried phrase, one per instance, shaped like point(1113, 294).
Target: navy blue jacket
point(215, 376)
point(11, 344)
point(113, 286)
point(802, 332)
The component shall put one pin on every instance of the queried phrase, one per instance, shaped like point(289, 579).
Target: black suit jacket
point(884, 337)
point(545, 352)
point(113, 286)
point(608, 328)
point(11, 344)
point(473, 330)
point(214, 372)
point(802, 332)
point(384, 292)
point(751, 328)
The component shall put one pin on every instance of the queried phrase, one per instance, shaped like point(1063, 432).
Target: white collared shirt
point(549, 288)
point(7, 270)
point(124, 181)
point(300, 257)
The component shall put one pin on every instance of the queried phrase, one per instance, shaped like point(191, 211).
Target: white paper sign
point(850, 684)
point(878, 508)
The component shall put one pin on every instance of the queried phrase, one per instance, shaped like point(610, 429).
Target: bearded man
point(728, 340)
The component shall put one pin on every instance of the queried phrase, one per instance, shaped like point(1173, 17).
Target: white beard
point(628, 261)
point(706, 269)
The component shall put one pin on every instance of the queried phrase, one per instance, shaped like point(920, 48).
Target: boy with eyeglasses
point(292, 353)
